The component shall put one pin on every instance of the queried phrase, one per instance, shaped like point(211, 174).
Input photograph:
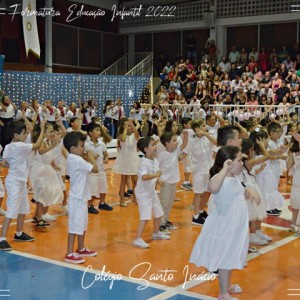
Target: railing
point(145, 67)
point(230, 112)
point(126, 63)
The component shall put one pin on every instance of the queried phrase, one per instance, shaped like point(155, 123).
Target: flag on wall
point(31, 36)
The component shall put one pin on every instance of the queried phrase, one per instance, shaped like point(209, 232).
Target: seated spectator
point(252, 64)
point(224, 65)
point(282, 91)
point(233, 72)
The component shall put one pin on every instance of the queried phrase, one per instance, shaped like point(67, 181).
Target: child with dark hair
point(98, 181)
point(223, 242)
point(127, 161)
point(186, 135)
point(229, 136)
point(266, 179)
point(169, 165)
point(79, 195)
point(294, 162)
point(15, 158)
point(200, 148)
point(256, 205)
point(147, 198)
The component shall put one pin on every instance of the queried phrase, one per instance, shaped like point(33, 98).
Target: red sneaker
point(86, 252)
point(73, 258)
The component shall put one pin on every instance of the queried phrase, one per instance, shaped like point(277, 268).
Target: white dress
point(256, 211)
point(223, 242)
point(267, 183)
point(295, 191)
point(45, 183)
point(128, 160)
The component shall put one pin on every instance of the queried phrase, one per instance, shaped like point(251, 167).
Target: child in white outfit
point(98, 182)
point(147, 198)
point(79, 194)
point(294, 161)
point(223, 242)
point(15, 158)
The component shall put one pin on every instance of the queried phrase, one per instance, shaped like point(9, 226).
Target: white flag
point(31, 36)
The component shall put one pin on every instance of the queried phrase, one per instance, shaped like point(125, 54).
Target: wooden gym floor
point(37, 270)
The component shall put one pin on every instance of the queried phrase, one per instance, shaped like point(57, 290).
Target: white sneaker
point(263, 236)
point(2, 212)
point(47, 217)
point(65, 209)
point(160, 236)
point(140, 243)
point(254, 239)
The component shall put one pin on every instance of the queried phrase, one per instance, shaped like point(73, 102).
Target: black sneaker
point(5, 246)
point(277, 210)
point(204, 214)
point(126, 194)
point(104, 206)
point(273, 213)
point(24, 238)
point(199, 221)
point(130, 192)
point(92, 210)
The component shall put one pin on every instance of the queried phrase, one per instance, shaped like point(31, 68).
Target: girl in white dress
point(45, 184)
point(294, 162)
point(127, 161)
point(223, 242)
point(256, 209)
point(266, 179)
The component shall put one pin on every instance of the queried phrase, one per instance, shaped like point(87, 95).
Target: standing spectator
point(233, 55)
point(7, 112)
point(190, 44)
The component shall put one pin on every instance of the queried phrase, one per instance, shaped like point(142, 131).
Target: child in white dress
point(256, 209)
point(294, 162)
point(45, 184)
point(98, 182)
point(266, 179)
point(223, 242)
point(127, 161)
point(147, 198)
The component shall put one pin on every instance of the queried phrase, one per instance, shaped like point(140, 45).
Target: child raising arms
point(15, 157)
point(223, 242)
point(146, 195)
point(127, 161)
point(294, 161)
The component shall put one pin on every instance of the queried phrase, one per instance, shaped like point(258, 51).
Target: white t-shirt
point(145, 188)
point(137, 114)
point(99, 149)
point(51, 115)
point(169, 165)
point(200, 150)
point(9, 113)
point(78, 170)
point(17, 156)
point(275, 163)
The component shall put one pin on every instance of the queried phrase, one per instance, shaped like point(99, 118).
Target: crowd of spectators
point(241, 77)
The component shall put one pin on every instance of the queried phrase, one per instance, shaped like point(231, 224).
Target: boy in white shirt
point(98, 182)
point(15, 157)
point(277, 153)
point(146, 195)
point(200, 147)
point(169, 164)
point(79, 194)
